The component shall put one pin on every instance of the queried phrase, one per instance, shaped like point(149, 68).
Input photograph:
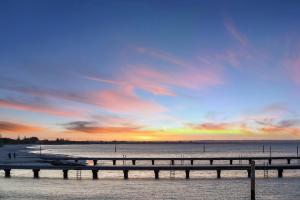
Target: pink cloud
point(10, 104)
point(181, 74)
point(292, 66)
point(231, 28)
point(186, 78)
point(124, 100)
point(138, 83)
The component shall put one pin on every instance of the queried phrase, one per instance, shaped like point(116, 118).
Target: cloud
point(93, 128)
point(180, 74)
point(120, 99)
point(18, 105)
point(218, 128)
point(292, 67)
point(18, 128)
point(191, 78)
point(137, 83)
point(231, 28)
point(288, 127)
point(124, 100)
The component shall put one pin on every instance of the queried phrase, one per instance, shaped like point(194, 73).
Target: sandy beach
point(23, 155)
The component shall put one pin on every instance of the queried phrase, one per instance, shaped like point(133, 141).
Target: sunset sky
point(150, 70)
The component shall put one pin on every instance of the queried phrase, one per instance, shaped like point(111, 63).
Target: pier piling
point(125, 174)
point(133, 162)
point(249, 173)
point(187, 174)
point(36, 173)
point(65, 173)
point(114, 162)
point(95, 174)
point(211, 162)
point(156, 172)
point(95, 162)
point(7, 173)
point(280, 172)
point(218, 173)
point(252, 180)
point(152, 162)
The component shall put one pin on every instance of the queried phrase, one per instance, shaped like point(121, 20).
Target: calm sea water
point(141, 185)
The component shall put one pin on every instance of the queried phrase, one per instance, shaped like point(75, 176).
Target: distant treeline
point(58, 141)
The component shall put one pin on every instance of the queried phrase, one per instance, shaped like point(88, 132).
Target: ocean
point(142, 185)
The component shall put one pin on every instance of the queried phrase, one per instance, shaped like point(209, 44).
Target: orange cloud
point(11, 104)
point(211, 126)
point(18, 128)
point(288, 127)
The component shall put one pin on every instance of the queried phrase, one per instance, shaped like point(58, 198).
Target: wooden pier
point(155, 168)
point(172, 160)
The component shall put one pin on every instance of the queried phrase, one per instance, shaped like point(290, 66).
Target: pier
point(172, 160)
point(155, 168)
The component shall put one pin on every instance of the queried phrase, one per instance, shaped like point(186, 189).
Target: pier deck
point(173, 159)
point(155, 168)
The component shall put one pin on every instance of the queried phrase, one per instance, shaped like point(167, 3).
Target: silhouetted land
point(59, 141)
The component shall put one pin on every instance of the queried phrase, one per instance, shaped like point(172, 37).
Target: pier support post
point(152, 162)
point(288, 161)
point(133, 162)
point(125, 174)
point(172, 162)
point(211, 162)
point(252, 180)
point(230, 162)
point(7, 173)
point(250, 161)
point(95, 162)
point(280, 172)
point(36, 173)
point(65, 173)
point(249, 173)
point(95, 174)
point(218, 173)
point(114, 162)
point(192, 162)
point(156, 172)
point(187, 174)
point(270, 161)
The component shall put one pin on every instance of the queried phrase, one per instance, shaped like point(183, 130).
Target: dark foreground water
point(141, 185)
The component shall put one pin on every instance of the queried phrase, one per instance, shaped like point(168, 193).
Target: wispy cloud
point(234, 32)
point(25, 106)
point(120, 99)
point(93, 128)
point(18, 128)
point(124, 100)
point(292, 66)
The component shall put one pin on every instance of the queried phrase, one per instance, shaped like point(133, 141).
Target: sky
point(150, 70)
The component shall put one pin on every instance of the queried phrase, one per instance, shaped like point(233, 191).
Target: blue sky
point(150, 70)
